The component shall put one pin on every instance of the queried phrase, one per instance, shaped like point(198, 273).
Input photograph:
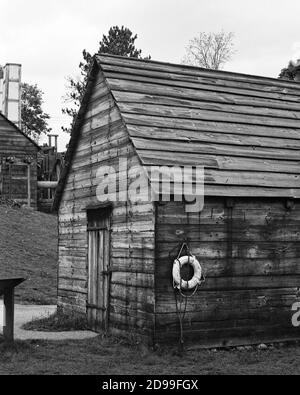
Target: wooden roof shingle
point(12, 138)
point(244, 129)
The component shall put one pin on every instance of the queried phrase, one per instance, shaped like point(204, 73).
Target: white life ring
point(195, 281)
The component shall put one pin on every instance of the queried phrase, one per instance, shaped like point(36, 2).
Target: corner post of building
point(7, 290)
point(8, 329)
point(29, 185)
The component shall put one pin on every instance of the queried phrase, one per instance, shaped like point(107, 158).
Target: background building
point(18, 153)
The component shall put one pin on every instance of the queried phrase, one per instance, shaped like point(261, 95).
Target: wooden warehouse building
point(116, 257)
point(18, 165)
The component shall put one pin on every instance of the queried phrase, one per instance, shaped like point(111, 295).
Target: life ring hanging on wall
point(197, 279)
point(181, 285)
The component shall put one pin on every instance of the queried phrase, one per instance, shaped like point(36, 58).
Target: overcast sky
point(47, 37)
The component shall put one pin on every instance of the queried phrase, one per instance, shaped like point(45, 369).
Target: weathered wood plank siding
point(102, 142)
point(14, 144)
point(245, 131)
point(250, 255)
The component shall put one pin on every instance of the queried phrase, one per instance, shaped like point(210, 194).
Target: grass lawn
point(111, 356)
point(28, 248)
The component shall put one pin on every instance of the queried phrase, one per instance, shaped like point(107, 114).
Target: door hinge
point(106, 272)
point(92, 306)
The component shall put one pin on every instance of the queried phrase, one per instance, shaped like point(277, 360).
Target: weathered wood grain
point(183, 70)
point(256, 287)
point(245, 131)
point(131, 251)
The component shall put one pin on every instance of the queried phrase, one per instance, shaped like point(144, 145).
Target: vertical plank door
point(98, 269)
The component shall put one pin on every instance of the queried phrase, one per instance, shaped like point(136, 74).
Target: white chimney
point(10, 92)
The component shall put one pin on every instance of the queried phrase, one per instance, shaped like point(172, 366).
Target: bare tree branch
point(210, 50)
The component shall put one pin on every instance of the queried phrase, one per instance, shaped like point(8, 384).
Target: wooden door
point(98, 269)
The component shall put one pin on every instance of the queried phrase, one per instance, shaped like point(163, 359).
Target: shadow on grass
point(58, 322)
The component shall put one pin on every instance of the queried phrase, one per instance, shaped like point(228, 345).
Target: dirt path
point(26, 313)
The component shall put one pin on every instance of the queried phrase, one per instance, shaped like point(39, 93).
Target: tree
point(34, 119)
point(210, 50)
point(119, 41)
point(289, 73)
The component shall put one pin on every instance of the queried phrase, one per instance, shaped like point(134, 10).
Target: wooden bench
point(7, 290)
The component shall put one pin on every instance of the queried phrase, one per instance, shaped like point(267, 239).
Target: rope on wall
point(181, 296)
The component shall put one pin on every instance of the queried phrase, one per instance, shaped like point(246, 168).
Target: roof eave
point(74, 136)
point(20, 131)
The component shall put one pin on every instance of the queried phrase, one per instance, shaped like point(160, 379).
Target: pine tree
point(119, 41)
point(289, 72)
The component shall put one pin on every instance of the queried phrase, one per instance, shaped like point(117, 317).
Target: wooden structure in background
point(18, 164)
point(50, 165)
point(245, 131)
point(7, 290)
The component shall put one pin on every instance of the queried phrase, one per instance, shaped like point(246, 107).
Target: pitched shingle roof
point(6, 126)
point(244, 129)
